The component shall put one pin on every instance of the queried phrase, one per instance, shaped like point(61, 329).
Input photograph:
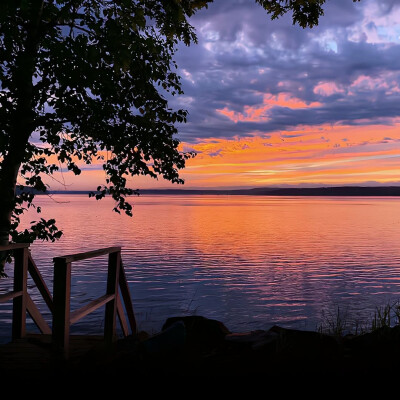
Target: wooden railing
point(116, 282)
point(22, 301)
point(59, 304)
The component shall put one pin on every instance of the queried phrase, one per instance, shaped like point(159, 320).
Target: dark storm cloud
point(242, 56)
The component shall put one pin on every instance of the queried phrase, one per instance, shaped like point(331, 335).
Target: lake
point(248, 261)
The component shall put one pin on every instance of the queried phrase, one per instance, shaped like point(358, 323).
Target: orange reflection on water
point(240, 259)
point(249, 227)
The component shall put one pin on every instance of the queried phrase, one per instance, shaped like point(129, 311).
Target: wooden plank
point(92, 306)
point(89, 254)
point(122, 318)
point(20, 285)
point(9, 296)
point(61, 311)
point(37, 316)
point(126, 295)
point(110, 318)
point(40, 283)
point(14, 246)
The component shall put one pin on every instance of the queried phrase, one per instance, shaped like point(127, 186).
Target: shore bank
point(195, 346)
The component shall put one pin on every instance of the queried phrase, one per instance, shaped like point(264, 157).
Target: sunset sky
point(272, 104)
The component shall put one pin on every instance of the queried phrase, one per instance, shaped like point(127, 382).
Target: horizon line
point(353, 190)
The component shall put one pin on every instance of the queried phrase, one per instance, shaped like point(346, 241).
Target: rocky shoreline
point(195, 346)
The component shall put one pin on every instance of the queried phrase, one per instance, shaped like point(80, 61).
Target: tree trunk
point(8, 179)
point(22, 123)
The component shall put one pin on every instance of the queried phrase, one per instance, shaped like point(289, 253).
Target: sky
point(272, 104)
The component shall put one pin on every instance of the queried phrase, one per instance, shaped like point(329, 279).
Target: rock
point(130, 343)
point(202, 333)
point(381, 343)
point(374, 354)
point(255, 340)
point(306, 346)
point(169, 340)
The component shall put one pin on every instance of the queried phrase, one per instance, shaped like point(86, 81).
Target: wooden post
point(114, 262)
point(61, 306)
point(20, 285)
point(125, 293)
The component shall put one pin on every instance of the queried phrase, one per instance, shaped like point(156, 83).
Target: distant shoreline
point(317, 191)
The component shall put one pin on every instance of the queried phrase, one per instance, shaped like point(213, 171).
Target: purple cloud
point(349, 64)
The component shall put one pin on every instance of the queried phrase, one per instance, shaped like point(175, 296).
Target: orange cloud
point(260, 113)
point(322, 154)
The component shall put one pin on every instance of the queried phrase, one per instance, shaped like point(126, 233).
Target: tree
point(81, 78)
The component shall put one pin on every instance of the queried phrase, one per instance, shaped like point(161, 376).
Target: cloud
point(215, 153)
point(243, 58)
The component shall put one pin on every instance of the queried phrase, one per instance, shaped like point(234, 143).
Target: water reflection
point(248, 261)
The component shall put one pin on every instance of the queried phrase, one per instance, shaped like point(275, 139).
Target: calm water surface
point(248, 261)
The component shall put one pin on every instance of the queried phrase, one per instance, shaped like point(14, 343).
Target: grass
point(386, 316)
point(334, 323)
point(340, 323)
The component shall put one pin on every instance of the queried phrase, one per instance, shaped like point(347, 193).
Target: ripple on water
point(249, 261)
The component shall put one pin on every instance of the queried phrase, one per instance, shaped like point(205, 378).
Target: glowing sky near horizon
point(274, 104)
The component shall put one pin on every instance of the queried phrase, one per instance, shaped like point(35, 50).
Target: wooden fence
point(116, 297)
point(22, 302)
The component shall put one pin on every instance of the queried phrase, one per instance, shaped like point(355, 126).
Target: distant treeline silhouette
point(317, 191)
